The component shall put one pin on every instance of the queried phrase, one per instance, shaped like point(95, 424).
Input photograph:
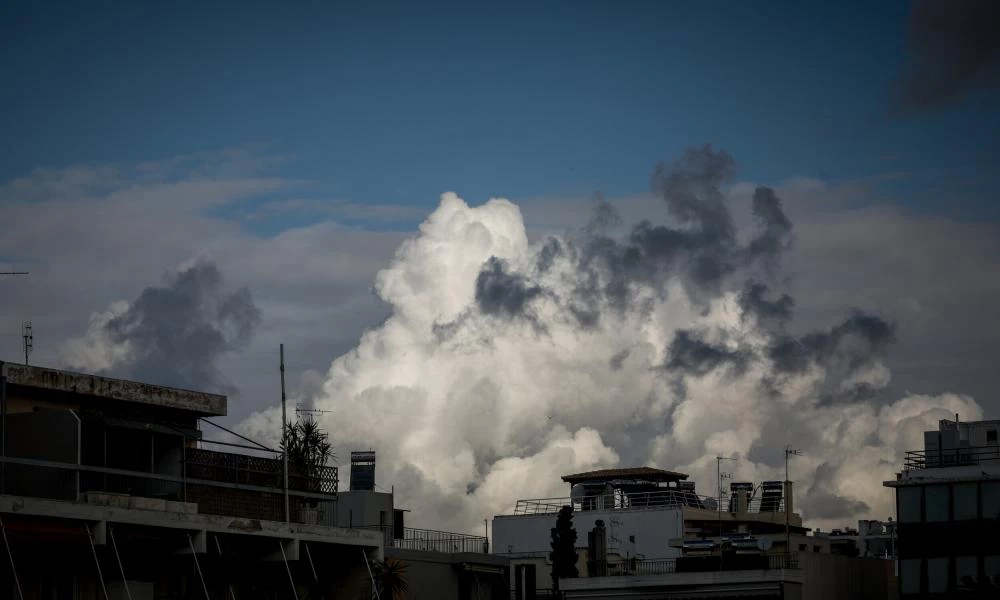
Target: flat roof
point(643, 473)
point(115, 389)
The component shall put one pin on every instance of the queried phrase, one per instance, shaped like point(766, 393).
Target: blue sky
point(378, 102)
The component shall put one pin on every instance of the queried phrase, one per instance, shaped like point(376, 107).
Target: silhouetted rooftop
point(643, 473)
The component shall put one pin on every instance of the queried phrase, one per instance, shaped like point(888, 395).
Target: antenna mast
point(28, 337)
point(284, 430)
point(789, 451)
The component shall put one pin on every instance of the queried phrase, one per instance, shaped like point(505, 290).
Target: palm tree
point(390, 577)
point(309, 450)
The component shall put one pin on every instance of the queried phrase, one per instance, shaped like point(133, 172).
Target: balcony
point(694, 564)
point(625, 501)
point(432, 541)
point(951, 457)
point(205, 481)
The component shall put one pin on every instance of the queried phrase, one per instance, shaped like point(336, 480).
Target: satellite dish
point(764, 544)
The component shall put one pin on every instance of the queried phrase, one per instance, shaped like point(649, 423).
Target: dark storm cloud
point(689, 354)
point(176, 333)
point(753, 301)
point(501, 293)
point(954, 49)
point(775, 229)
point(854, 343)
point(551, 249)
point(618, 360)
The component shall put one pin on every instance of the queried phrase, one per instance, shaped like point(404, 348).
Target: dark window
point(817, 549)
point(991, 499)
point(966, 501)
point(936, 507)
point(631, 539)
point(966, 572)
point(909, 504)
point(909, 576)
point(802, 547)
point(937, 575)
point(991, 435)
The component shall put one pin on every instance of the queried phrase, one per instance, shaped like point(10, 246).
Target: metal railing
point(952, 457)
point(219, 483)
point(432, 540)
point(660, 499)
point(693, 564)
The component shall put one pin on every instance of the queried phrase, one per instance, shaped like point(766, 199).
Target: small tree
point(563, 555)
point(390, 579)
point(308, 449)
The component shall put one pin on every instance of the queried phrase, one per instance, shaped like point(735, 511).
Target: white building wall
point(651, 529)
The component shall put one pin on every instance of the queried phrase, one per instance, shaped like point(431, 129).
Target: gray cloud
point(852, 344)
point(955, 49)
point(174, 334)
point(691, 354)
point(501, 293)
point(753, 301)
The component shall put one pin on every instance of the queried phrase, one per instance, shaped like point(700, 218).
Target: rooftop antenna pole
point(719, 476)
point(789, 451)
point(284, 431)
point(28, 340)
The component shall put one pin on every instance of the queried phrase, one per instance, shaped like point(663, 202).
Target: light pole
point(789, 451)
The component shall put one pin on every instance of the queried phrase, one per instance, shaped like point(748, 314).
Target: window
point(966, 572)
point(909, 576)
point(991, 436)
point(631, 539)
point(991, 568)
point(909, 504)
point(802, 547)
point(936, 497)
point(991, 499)
point(937, 575)
point(966, 501)
point(817, 549)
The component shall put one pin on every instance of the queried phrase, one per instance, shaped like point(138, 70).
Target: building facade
point(948, 513)
point(107, 490)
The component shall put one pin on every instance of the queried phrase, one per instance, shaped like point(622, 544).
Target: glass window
point(991, 568)
point(909, 504)
point(937, 575)
point(936, 507)
point(966, 572)
point(966, 501)
point(991, 436)
point(991, 499)
point(909, 576)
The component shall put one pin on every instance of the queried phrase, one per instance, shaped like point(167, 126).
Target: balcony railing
point(432, 540)
point(693, 564)
point(660, 499)
point(952, 457)
point(220, 483)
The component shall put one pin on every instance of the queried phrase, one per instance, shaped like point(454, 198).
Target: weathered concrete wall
point(831, 577)
point(461, 576)
point(115, 389)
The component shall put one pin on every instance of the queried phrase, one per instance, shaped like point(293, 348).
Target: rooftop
point(634, 473)
point(114, 389)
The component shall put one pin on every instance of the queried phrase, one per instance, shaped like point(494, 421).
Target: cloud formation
point(505, 364)
point(954, 49)
point(172, 334)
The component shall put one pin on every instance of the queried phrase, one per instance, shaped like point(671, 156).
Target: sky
point(191, 185)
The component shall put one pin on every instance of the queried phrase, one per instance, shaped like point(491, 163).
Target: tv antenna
point(309, 413)
point(28, 337)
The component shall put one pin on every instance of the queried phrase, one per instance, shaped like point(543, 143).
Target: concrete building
point(104, 481)
point(649, 515)
point(875, 539)
point(948, 513)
